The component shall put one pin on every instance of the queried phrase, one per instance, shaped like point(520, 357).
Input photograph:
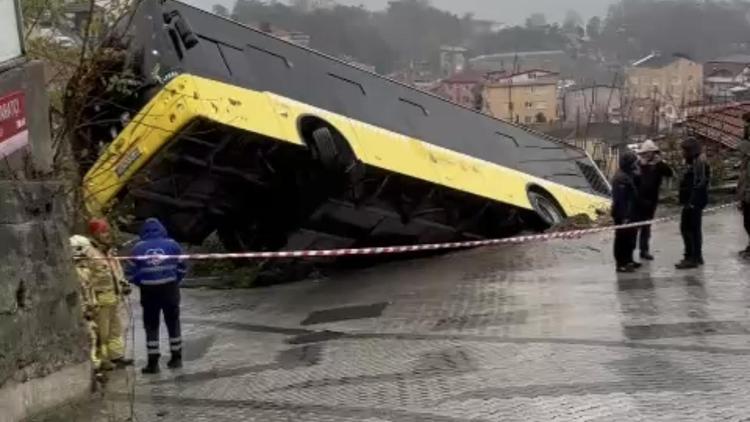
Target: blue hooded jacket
point(162, 269)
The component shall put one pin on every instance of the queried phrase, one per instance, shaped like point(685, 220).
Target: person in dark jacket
point(158, 274)
point(743, 190)
point(624, 197)
point(693, 198)
point(651, 173)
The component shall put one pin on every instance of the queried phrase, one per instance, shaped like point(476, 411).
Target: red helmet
point(98, 226)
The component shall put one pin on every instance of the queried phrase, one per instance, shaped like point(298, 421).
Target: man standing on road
point(652, 171)
point(624, 196)
point(743, 190)
point(109, 285)
point(693, 198)
point(158, 273)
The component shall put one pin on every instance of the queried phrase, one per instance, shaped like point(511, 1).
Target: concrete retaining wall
point(43, 346)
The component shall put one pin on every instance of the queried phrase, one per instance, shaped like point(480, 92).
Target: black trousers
point(691, 227)
point(158, 300)
point(644, 232)
point(746, 215)
point(625, 240)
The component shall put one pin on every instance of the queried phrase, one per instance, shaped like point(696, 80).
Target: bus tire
point(546, 207)
point(326, 150)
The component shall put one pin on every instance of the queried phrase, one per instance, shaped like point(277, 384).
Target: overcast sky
point(507, 11)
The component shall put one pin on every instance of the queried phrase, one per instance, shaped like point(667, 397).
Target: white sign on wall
point(10, 39)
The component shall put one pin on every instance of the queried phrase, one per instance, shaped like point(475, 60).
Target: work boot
point(176, 361)
point(106, 366)
point(625, 269)
point(122, 362)
point(745, 253)
point(687, 264)
point(153, 365)
point(646, 256)
point(635, 265)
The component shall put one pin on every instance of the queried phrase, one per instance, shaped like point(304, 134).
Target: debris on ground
point(582, 221)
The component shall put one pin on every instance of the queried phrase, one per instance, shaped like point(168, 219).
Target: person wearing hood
point(743, 190)
point(651, 173)
point(693, 198)
point(624, 197)
point(157, 270)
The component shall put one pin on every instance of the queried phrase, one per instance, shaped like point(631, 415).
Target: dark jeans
point(158, 300)
point(625, 240)
point(691, 227)
point(746, 215)
point(644, 232)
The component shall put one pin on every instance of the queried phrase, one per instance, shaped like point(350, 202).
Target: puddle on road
point(685, 329)
point(481, 320)
point(345, 314)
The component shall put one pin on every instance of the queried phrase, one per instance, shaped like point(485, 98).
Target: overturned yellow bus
point(274, 146)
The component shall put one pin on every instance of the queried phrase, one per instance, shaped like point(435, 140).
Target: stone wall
point(43, 359)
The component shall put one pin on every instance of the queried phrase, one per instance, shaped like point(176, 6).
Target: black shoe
point(153, 365)
point(625, 269)
point(122, 363)
point(635, 265)
point(647, 256)
point(176, 361)
point(687, 264)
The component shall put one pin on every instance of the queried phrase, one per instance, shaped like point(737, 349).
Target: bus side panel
point(240, 108)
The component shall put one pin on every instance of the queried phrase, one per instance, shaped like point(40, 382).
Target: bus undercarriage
point(261, 194)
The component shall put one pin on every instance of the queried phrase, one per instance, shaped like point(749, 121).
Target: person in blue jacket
point(158, 273)
point(624, 197)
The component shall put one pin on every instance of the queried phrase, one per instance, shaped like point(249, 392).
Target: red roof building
point(722, 125)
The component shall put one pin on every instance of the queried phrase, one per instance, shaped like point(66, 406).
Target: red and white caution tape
point(391, 250)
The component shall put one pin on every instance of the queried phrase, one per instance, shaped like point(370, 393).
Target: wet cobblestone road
point(525, 333)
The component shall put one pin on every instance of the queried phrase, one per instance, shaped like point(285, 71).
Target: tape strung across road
point(391, 250)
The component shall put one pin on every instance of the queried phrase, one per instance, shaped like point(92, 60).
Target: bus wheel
point(329, 151)
point(546, 208)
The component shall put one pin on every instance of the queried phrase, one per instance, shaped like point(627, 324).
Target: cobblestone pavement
point(524, 333)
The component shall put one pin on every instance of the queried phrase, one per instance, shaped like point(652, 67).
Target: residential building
point(525, 97)
point(727, 78)
point(419, 74)
point(296, 37)
point(464, 88)
point(452, 60)
point(668, 82)
point(522, 61)
point(591, 104)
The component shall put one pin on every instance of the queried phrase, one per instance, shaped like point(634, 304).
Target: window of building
point(528, 104)
point(541, 105)
point(527, 119)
